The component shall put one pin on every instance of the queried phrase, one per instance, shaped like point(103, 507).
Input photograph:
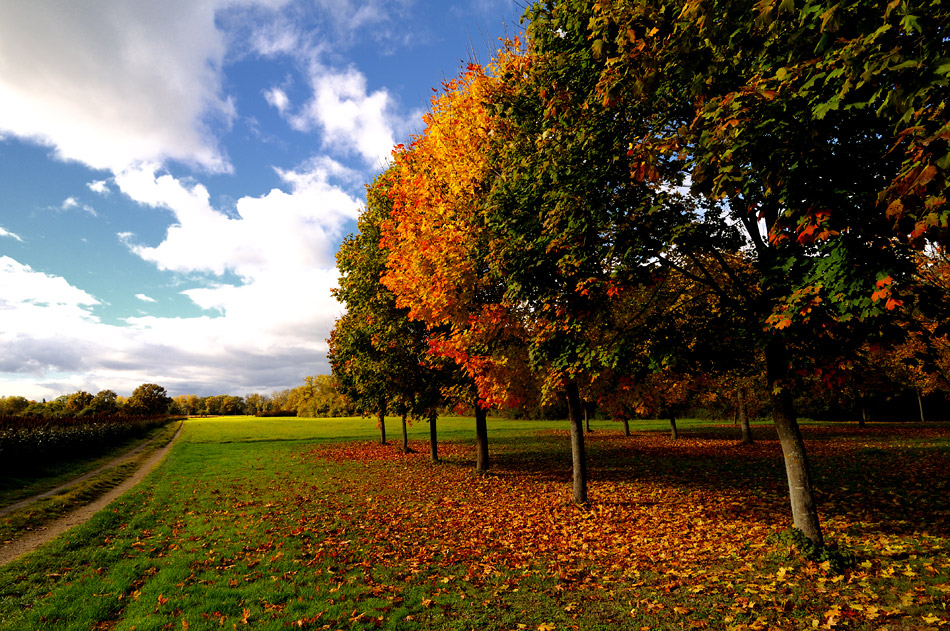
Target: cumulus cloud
point(280, 246)
point(278, 231)
point(99, 186)
point(145, 298)
point(352, 119)
point(53, 344)
point(24, 286)
point(277, 98)
point(6, 233)
point(110, 84)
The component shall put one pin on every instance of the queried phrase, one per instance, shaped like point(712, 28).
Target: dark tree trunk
point(864, 417)
point(674, 433)
point(920, 405)
point(586, 418)
point(626, 426)
point(481, 439)
point(801, 495)
point(743, 418)
point(433, 443)
point(405, 436)
point(578, 453)
point(381, 423)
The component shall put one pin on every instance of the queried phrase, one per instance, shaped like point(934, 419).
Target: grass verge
point(42, 477)
point(45, 510)
point(281, 530)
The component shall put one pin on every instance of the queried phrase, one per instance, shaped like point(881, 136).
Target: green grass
point(45, 476)
point(44, 510)
point(271, 523)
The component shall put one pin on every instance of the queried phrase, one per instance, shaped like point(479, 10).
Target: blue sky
point(176, 177)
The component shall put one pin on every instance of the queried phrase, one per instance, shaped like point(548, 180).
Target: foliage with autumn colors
point(263, 524)
point(437, 248)
point(657, 197)
point(379, 356)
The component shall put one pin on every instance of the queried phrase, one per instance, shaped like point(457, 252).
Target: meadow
point(292, 523)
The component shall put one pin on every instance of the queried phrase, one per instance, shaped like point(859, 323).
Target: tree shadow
point(890, 476)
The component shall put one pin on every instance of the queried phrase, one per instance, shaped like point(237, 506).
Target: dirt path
point(6, 510)
point(34, 539)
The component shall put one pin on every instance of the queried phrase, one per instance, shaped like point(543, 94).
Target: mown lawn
point(275, 524)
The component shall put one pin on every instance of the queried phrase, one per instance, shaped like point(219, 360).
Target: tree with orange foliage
point(437, 263)
point(379, 356)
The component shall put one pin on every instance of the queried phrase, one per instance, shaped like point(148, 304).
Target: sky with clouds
point(176, 177)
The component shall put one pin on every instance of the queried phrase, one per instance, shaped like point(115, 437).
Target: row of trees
point(319, 396)
point(148, 399)
point(649, 199)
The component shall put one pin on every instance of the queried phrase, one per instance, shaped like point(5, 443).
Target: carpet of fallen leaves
point(679, 530)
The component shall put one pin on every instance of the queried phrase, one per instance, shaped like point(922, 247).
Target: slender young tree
point(379, 356)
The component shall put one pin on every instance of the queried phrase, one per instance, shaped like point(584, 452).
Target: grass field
point(292, 523)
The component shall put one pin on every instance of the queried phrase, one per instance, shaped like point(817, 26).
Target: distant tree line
point(148, 399)
point(318, 397)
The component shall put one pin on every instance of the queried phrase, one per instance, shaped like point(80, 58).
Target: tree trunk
point(864, 416)
point(586, 418)
point(801, 496)
point(920, 404)
point(433, 443)
point(481, 439)
point(674, 434)
point(381, 423)
point(578, 453)
point(744, 418)
point(626, 426)
point(405, 436)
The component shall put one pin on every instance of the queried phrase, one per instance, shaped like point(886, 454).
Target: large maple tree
point(437, 263)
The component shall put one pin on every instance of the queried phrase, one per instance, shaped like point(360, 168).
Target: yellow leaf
point(547, 626)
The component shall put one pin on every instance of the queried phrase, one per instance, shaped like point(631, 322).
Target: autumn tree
point(148, 399)
point(105, 402)
point(437, 243)
point(380, 358)
point(817, 131)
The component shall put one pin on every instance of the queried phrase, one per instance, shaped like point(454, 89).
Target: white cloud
point(22, 285)
point(281, 248)
point(280, 231)
point(277, 98)
point(53, 344)
point(6, 233)
point(145, 298)
point(99, 186)
point(71, 203)
point(111, 84)
point(353, 120)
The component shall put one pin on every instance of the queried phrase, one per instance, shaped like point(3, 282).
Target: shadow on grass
point(892, 476)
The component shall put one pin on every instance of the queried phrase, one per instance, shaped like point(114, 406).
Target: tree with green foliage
point(105, 402)
point(149, 399)
point(810, 136)
point(380, 358)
